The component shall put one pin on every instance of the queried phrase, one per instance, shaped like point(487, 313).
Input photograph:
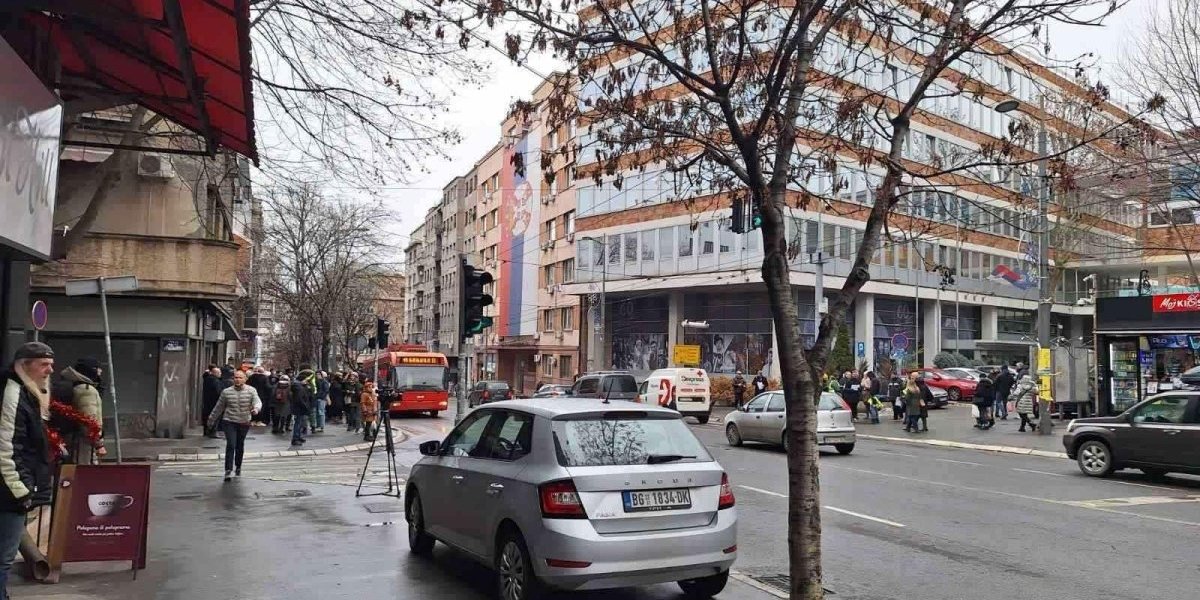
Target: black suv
point(1159, 435)
point(613, 385)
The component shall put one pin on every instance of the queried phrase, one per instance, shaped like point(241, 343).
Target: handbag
point(975, 411)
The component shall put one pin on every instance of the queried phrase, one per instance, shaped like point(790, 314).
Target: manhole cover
point(781, 582)
point(384, 507)
point(189, 496)
point(283, 494)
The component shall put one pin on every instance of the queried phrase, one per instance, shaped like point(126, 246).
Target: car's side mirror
point(430, 448)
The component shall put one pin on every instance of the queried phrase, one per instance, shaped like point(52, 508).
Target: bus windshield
point(423, 377)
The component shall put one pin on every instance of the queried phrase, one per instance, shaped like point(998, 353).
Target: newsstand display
point(1144, 345)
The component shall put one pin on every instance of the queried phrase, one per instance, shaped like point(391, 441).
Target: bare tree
point(323, 251)
point(777, 104)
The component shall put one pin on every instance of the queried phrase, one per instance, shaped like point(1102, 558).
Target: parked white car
point(762, 419)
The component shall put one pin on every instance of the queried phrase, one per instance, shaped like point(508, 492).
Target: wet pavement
point(293, 528)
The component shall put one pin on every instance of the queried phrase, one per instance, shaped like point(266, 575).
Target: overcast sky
point(478, 112)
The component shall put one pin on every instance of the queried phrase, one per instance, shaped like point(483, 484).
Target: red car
point(956, 387)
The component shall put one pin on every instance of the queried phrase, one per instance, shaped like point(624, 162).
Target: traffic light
point(382, 327)
point(755, 218)
point(747, 216)
point(472, 300)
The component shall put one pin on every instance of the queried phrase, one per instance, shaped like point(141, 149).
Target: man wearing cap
point(24, 447)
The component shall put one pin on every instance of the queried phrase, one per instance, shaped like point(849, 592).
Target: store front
point(1143, 345)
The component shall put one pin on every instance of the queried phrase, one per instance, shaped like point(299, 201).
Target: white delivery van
point(683, 389)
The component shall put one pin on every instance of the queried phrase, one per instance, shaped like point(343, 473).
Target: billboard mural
point(639, 351)
point(728, 353)
point(516, 286)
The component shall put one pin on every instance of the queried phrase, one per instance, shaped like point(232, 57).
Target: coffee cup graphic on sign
point(106, 505)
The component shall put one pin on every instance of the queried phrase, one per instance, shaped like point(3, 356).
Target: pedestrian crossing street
point(333, 469)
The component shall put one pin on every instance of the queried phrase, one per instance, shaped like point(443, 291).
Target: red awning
point(187, 60)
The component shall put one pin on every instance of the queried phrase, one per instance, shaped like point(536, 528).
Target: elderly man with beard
point(24, 447)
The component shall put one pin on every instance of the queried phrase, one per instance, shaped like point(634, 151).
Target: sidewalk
point(952, 427)
point(259, 443)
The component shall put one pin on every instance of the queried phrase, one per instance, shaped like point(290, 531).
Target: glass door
point(1123, 374)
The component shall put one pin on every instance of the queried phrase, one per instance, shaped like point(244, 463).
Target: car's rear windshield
point(619, 383)
point(497, 385)
point(629, 439)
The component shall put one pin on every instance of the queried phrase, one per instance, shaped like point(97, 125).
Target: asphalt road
point(905, 521)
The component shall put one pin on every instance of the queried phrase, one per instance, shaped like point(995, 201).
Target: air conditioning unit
point(537, 358)
point(557, 288)
point(548, 245)
point(571, 237)
point(153, 164)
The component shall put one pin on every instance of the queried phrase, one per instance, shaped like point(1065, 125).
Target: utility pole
point(819, 285)
point(1045, 294)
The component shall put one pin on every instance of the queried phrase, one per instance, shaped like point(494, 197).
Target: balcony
point(165, 266)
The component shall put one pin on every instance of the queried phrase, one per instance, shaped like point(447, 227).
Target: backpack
point(281, 395)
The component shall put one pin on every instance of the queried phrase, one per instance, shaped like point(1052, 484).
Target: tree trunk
point(804, 488)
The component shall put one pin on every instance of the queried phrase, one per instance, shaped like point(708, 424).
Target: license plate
point(835, 438)
point(651, 500)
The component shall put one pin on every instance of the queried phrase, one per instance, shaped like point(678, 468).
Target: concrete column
point(675, 316)
point(864, 329)
point(931, 334)
point(989, 329)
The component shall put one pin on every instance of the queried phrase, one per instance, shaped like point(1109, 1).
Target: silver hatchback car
point(762, 420)
point(576, 494)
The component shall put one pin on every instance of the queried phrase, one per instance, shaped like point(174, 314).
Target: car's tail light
point(485, 395)
point(726, 498)
point(560, 500)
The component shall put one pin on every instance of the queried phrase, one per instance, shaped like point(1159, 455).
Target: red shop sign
point(1177, 303)
point(101, 513)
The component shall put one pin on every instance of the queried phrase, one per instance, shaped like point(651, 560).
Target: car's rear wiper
point(658, 459)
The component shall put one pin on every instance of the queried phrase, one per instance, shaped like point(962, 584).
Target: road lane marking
point(1039, 472)
point(762, 491)
point(960, 462)
point(1135, 501)
point(1146, 485)
point(1021, 496)
point(862, 516)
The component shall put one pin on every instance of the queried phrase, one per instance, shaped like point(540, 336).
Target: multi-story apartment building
point(662, 251)
point(526, 236)
point(419, 276)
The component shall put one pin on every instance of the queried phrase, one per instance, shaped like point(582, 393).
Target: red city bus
point(412, 379)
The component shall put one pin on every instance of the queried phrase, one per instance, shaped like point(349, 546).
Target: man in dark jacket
point(337, 399)
point(739, 390)
point(985, 397)
point(211, 392)
point(24, 447)
point(1002, 385)
point(302, 404)
point(262, 385)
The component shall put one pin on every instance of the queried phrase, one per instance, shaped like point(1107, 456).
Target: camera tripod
point(393, 488)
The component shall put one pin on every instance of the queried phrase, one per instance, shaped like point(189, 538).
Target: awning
point(187, 60)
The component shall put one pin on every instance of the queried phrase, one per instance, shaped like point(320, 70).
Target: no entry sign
point(40, 315)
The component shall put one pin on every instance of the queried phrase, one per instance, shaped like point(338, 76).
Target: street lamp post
point(1045, 190)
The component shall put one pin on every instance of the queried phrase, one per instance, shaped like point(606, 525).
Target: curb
point(398, 435)
point(967, 446)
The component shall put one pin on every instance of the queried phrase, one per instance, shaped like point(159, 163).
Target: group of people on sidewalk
point(289, 402)
point(1002, 391)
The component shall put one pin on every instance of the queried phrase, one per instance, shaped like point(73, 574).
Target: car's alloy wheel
point(733, 435)
point(419, 542)
point(953, 394)
point(516, 578)
point(1095, 458)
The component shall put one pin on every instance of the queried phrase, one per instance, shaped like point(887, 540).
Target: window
point(514, 436)
point(758, 404)
point(1164, 410)
point(465, 438)
point(587, 385)
point(686, 242)
point(829, 401)
point(552, 229)
point(726, 239)
point(666, 239)
point(706, 237)
point(568, 270)
point(547, 320)
point(625, 440)
point(567, 318)
point(648, 245)
point(566, 368)
point(614, 249)
point(547, 365)
point(569, 222)
point(548, 274)
point(631, 247)
point(776, 403)
point(810, 236)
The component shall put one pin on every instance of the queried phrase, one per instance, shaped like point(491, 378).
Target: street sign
point(862, 349)
point(900, 341)
point(687, 354)
point(40, 313)
point(87, 287)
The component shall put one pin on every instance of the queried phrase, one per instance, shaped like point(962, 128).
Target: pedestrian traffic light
point(747, 216)
point(756, 219)
point(382, 327)
point(472, 300)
